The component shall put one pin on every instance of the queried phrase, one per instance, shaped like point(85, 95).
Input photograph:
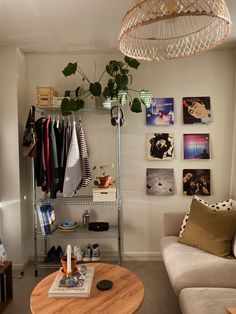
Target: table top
point(124, 297)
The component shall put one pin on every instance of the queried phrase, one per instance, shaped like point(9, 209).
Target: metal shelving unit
point(114, 232)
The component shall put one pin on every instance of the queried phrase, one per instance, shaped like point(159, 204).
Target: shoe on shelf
point(96, 256)
point(58, 254)
point(87, 254)
point(78, 253)
point(50, 255)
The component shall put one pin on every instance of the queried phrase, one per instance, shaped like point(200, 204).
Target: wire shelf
point(81, 233)
point(76, 200)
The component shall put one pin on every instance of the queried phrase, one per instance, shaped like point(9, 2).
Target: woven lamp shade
point(169, 29)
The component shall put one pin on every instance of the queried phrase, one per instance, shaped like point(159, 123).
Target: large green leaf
point(68, 106)
point(65, 107)
point(122, 80)
point(79, 104)
point(133, 63)
point(95, 88)
point(146, 97)
point(136, 105)
point(70, 69)
point(109, 70)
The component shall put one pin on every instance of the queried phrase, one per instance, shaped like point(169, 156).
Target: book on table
point(82, 290)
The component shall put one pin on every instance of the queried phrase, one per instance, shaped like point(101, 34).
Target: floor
point(159, 297)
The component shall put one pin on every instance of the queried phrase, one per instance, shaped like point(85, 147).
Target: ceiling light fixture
point(169, 29)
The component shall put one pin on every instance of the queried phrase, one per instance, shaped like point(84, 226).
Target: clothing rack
point(115, 230)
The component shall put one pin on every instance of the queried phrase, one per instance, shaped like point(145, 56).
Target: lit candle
point(68, 253)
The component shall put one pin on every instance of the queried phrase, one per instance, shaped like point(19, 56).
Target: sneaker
point(78, 253)
point(87, 254)
point(58, 254)
point(50, 255)
point(96, 256)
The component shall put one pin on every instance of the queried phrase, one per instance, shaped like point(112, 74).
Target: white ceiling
point(46, 26)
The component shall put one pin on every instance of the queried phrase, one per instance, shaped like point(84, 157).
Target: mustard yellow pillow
point(210, 231)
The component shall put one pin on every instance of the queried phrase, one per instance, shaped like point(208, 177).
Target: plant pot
point(104, 182)
point(73, 264)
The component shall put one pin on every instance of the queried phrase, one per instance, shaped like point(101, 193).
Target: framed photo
point(196, 110)
point(160, 112)
point(196, 181)
point(160, 146)
point(196, 146)
point(160, 182)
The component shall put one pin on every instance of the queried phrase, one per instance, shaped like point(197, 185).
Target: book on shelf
point(79, 291)
point(47, 218)
point(40, 216)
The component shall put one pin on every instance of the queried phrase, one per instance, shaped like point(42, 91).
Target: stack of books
point(81, 290)
point(46, 214)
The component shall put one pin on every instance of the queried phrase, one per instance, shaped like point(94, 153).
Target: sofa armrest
point(172, 222)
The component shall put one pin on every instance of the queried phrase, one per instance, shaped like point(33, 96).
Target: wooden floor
point(159, 297)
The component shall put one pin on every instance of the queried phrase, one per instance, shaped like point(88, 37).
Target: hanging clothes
point(54, 162)
point(86, 173)
point(39, 162)
point(65, 144)
point(73, 171)
point(47, 126)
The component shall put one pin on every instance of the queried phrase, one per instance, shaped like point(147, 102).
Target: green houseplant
point(117, 86)
point(103, 176)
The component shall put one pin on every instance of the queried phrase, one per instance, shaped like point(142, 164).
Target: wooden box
point(104, 195)
point(46, 91)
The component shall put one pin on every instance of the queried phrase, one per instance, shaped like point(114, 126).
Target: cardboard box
point(104, 195)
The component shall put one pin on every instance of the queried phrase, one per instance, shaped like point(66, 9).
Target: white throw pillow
point(224, 205)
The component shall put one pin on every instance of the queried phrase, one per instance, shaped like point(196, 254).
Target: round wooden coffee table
point(124, 297)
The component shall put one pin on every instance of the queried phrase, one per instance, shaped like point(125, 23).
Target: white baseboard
point(141, 256)
point(21, 266)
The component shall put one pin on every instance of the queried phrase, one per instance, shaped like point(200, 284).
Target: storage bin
point(104, 195)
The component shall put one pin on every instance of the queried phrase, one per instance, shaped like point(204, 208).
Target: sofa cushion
point(224, 205)
point(207, 300)
point(208, 230)
point(190, 267)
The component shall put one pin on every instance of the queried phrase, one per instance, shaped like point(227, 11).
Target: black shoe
point(58, 254)
point(51, 255)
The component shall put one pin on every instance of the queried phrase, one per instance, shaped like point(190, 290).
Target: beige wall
point(210, 74)
point(9, 162)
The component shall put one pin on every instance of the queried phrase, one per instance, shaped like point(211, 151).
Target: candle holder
point(69, 281)
point(73, 266)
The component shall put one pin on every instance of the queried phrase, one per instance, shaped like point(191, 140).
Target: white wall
point(233, 171)
point(210, 74)
point(9, 162)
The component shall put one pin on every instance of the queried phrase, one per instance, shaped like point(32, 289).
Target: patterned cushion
point(224, 205)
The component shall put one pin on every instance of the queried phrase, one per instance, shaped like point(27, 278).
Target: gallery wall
point(210, 74)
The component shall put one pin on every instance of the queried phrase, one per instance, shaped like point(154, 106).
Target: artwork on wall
point(196, 146)
point(160, 112)
point(160, 146)
point(160, 182)
point(196, 181)
point(196, 110)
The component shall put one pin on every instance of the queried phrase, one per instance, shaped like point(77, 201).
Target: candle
point(68, 253)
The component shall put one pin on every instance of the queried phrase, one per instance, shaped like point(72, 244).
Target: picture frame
point(160, 181)
point(160, 146)
point(160, 112)
point(196, 146)
point(196, 110)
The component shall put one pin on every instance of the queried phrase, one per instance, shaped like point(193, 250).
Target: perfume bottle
point(85, 218)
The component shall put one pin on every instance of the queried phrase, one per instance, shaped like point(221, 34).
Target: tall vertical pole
point(118, 165)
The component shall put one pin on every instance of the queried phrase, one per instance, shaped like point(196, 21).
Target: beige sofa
point(204, 282)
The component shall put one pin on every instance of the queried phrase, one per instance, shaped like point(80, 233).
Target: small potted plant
point(103, 179)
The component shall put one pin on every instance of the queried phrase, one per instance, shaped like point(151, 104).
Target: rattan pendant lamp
point(169, 29)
